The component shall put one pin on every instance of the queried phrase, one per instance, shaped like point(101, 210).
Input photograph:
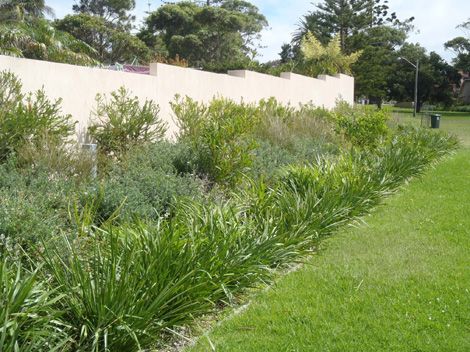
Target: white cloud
point(435, 20)
point(283, 17)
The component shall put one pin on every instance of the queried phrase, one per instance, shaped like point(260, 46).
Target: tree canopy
point(110, 42)
point(347, 18)
point(368, 27)
point(209, 34)
point(114, 11)
point(435, 77)
point(461, 47)
point(373, 70)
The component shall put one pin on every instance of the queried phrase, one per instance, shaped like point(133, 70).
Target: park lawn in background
point(399, 283)
point(457, 123)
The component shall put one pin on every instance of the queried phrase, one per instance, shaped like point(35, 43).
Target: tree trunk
point(342, 35)
point(419, 106)
point(379, 103)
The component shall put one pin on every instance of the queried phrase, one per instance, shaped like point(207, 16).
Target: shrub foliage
point(363, 126)
point(27, 118)
point(122, 122)
point(219, 136)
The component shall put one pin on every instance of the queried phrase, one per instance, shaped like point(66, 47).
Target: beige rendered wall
point(78, 86)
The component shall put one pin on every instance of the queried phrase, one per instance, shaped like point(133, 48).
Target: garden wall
point(78, 86)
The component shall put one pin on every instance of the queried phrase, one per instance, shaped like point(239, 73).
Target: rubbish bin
point(435, 120)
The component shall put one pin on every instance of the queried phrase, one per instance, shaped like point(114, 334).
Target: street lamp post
point(416, 82)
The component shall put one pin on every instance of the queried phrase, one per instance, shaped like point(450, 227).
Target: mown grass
point(457, 123)
point(400, 283)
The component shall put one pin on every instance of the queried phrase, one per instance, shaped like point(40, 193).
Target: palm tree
point(24, 32)
point(20, 10)
point(38, 39)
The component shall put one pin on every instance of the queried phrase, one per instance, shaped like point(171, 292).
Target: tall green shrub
point(363, 126)
point(122, 122)
point(27, 118)
point(219, 136)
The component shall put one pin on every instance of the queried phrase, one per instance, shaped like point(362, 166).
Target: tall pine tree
point(347, 18)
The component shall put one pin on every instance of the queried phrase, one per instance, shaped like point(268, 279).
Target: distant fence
point(78, 86)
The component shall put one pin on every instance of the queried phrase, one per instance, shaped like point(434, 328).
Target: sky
point(435, 20)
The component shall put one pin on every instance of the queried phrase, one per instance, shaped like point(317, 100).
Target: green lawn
point(454, 122)
point(400, 283)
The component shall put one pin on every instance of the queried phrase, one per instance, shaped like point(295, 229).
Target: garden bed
point(170, 231)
